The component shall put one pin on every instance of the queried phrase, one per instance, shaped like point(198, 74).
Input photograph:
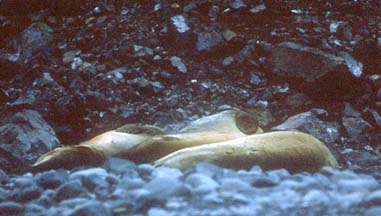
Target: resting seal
point(294, 151)
point(230, 139)
point(147, 143)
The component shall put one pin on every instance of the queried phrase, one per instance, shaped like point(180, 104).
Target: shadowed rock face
point(25, 137)
point(319, 73)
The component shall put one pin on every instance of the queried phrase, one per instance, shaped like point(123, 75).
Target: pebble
point(201, 183)
point(92, 207)
point(10, 208)
point(52, 179)
point(69, 190)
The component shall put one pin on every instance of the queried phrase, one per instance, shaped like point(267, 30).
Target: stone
point(142, 51)
point(36, 38)
point(228, 61)
point(68, 57)
point(10, 208)
point(52, 179)
point(201, 183)
point(310, 123)
point(178, 64)
point(94, 179)
point(258, 9)
point(229, 34)
point(180, 23)
point(69, 190)
point(356, 128)
point(342, 30)
point(4, 178)
point(27, 193)
point(315, 71)
point(93, 208)
point(236, 4)
point(26, 136)
point(374, 198)
point(207, 40)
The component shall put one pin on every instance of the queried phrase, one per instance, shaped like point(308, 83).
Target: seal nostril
point(247, 123)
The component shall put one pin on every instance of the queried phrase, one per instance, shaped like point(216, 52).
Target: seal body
point(147, 143)
point(294, 151)
point(227, 125)
point(231, 139)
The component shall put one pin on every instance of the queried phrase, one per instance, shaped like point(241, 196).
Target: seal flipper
point(68, 158)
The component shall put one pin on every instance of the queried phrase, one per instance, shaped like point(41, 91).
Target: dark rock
point(24, 100)
point(373, 199)
point(207, 40)
point(120, 166)
point(10, 208)
point(22, 8)
point(142, 51)
point(9, 66)
point(3, 177)
point(228, 61)
point(341, 29)
point(229, 35)
point(255, 79)
point(36, 38)
point(26, 135)
point(350, 111)
point(47, 198)
point(145, 171)
point(369, 53)
point(52, 179)
point(34, 209)
point(94, 179)
point(4, 194)
point(157, 87)
point(27, 193)
point(309, 122)
point(356, 128)
point(322, 75)
point(297, 100)
point(70, 190)
point(358, 159)
point(263, 182)
point(92, 207)
point(117, 74)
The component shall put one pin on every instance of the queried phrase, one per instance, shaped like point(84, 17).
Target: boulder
point(23, 138)
point(321, 74)
point(310, 123)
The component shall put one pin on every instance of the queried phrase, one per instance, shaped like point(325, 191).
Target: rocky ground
point(71, 71)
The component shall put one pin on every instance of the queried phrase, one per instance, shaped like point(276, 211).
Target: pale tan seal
point(294, 151)
point(144, 144)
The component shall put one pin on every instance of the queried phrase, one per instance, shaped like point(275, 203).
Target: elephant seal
point(146, 143)
point(226, 125)
point(96, 150)
point(294, 151)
